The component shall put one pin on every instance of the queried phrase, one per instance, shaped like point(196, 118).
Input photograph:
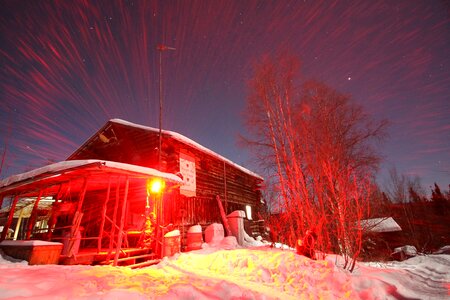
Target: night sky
point(69, 66)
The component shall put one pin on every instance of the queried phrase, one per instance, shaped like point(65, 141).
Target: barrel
point(194, 238)
point(171, 243)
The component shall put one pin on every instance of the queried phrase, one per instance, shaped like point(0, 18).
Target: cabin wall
point(214, 178)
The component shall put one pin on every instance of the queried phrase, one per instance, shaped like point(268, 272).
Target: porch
point(102, 212)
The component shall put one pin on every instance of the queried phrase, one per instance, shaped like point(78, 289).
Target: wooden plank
point(150, 255)
point(10, 218)
point(82, 195)
point(104, 210)
point(225, 185)
point(32, 220)
point(113, 222)
point(74, 232)
point(19, 221)
point(77, 219)
point(224, 217)
point(145, 264)
point(54, 214)
point(122, 221)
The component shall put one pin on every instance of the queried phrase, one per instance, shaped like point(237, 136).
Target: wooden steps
point(137, 257)
point(134, 261)
point(128, 257)
point(144, 264)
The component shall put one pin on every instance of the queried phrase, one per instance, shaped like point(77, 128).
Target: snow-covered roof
point(63, 166)
point(181, 138)
point(381, 225)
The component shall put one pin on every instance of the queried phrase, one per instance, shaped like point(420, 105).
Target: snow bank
point(214, 233)
point(173, 233)
point(420, 277)
point(407, 250)
point(252, 242)
point(443, 250)
point(195, 229)
point(5, 259)
point(257, 273)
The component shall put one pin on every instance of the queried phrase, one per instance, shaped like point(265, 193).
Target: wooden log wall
point(213, 177)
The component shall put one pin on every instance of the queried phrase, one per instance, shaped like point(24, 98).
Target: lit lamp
point(156, 186)
point(153, 218)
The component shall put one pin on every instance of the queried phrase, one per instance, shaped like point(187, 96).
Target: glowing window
point(248, 210)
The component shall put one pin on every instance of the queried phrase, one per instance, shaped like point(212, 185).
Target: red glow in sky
point(69, 66)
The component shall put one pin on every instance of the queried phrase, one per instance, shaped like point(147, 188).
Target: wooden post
point(224, 216)
point(163, 230)
point(54, 214)
point(104, 210)
point(77, 219)
point(19, 221)
point(33, 216)
point(161, 199)
point(225, 185)
point(122, 222)
point(113, 223)
point(83, 193)
point(10, 218)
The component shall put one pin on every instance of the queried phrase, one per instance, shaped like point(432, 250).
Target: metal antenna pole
point(161, 48)
point(160, 106)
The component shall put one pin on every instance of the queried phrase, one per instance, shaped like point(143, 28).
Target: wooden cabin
point(205, 173)
point(100, 203)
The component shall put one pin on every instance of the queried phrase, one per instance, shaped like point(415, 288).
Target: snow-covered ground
point(227, 272)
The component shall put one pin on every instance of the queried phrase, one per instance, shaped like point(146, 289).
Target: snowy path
point(224, 286)
point(281, 275)
point(421, 277)
point(259, 273)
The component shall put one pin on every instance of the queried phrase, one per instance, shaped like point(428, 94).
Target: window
point(248, 210)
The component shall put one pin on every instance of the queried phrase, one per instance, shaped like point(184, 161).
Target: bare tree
point(316, 143)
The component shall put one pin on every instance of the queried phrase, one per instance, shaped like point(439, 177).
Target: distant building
point(380, 225)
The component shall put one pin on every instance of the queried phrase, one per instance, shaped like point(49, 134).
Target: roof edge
point(64, 166)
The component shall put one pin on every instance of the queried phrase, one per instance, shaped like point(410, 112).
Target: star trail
point(69, 66)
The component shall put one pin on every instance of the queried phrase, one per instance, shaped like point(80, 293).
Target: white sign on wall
point(187, 169)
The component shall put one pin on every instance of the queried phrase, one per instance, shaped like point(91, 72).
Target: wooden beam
point(225, 186)
point(54, 213)
point(104, 211)
point(224, 217)
point(113, 226)
point(74, 229)
point(19, 221)
point(10, 218)
point(83, 193)
point(33, 216)
point(122, 222)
